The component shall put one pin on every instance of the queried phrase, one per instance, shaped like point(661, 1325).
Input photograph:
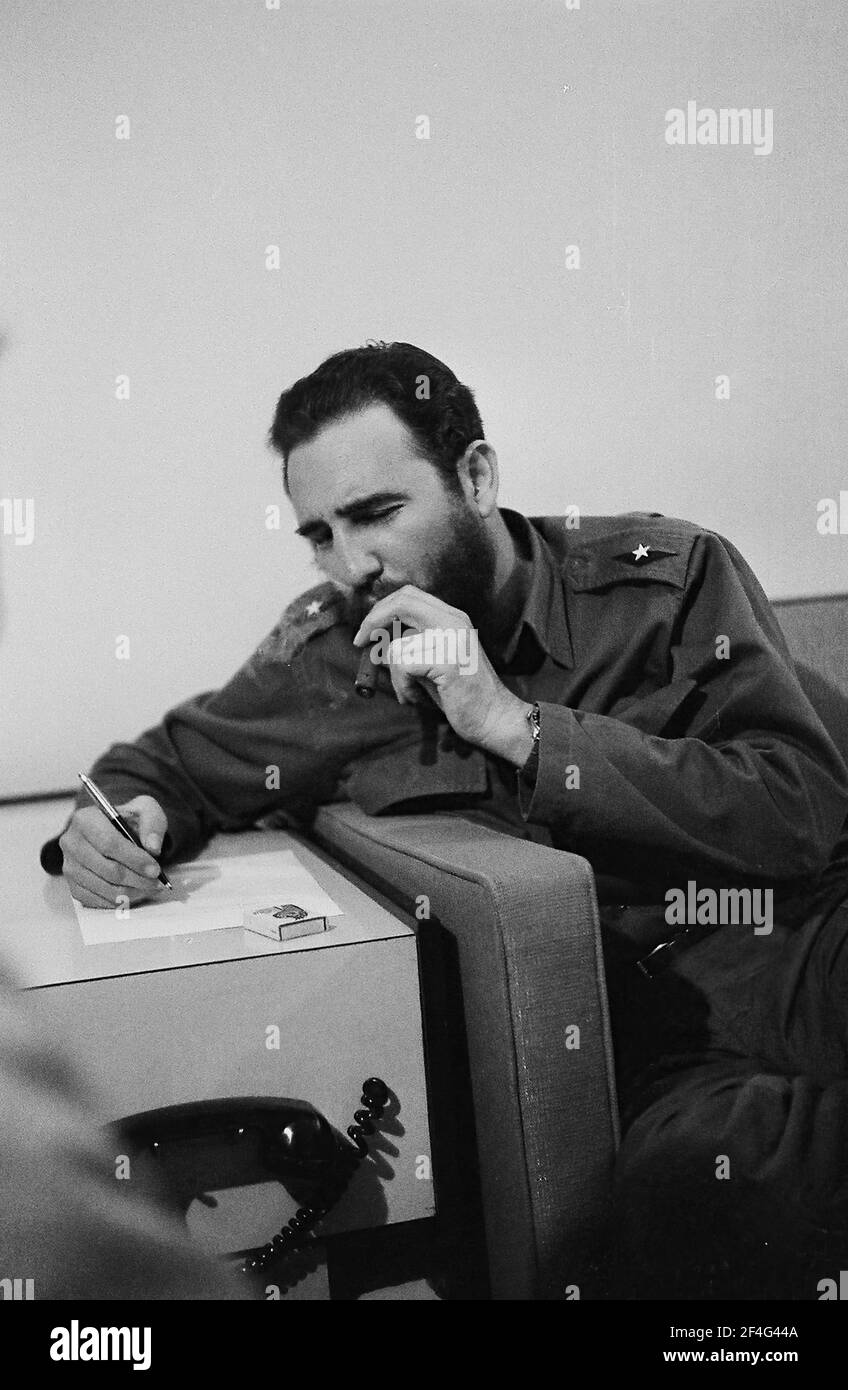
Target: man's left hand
point(440, 652)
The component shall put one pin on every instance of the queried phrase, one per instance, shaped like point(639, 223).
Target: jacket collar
point(543, 611)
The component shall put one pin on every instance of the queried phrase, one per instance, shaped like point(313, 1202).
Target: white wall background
point(251, 126)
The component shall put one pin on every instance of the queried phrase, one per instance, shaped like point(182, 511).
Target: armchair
point(519, 925)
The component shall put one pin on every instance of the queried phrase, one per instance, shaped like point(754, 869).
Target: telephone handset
point(210, 1145)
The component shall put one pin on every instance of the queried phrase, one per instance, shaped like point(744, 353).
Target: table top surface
point(42, 944)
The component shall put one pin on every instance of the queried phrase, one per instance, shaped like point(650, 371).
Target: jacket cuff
point(52, 858)
point(542, 802)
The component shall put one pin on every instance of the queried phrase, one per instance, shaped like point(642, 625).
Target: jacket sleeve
point(744, 784)
point(276, 736)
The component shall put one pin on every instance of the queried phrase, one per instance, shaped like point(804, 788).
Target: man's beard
point(461, 572)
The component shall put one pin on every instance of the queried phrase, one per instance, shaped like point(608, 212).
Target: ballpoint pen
point(117, 820)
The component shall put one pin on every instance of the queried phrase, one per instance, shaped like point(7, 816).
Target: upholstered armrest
point(525, 923)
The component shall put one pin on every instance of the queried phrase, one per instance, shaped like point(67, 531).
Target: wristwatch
point(534, 719)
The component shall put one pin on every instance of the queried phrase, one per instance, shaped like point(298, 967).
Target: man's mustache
point(373, 593)
point(361, 600)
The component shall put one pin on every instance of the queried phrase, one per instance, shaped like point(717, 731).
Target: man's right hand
point(101, 867)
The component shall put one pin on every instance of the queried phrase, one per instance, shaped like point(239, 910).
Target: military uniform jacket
point(676, 741)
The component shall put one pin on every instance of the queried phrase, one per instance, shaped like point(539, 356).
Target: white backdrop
point(249, 126)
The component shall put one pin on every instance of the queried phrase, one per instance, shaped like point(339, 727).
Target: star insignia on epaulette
point(303, 619)
point(644, 553)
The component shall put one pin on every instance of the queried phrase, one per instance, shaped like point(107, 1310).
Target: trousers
point(732, 1177)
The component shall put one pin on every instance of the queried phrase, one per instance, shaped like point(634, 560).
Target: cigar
point(366, 677)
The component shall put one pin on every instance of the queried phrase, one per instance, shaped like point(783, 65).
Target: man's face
point(378, 516)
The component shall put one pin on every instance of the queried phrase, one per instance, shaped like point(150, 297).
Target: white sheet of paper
point(210, 895)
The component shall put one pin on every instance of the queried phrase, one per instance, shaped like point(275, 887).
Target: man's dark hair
point(438, 410)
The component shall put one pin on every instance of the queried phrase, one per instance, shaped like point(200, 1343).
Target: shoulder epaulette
point(636, 546)
point(315, 611)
